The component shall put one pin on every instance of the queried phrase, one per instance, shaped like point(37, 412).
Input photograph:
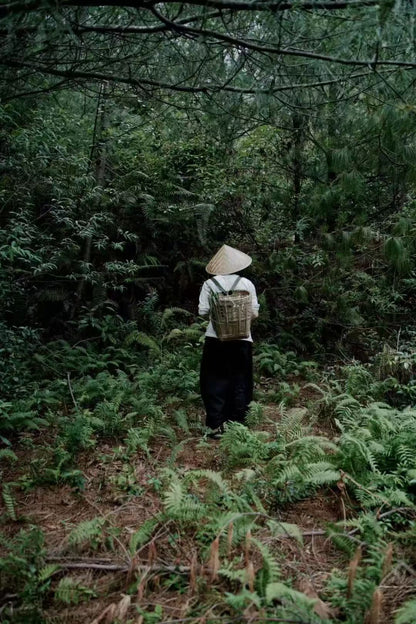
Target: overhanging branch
point(234, 5)
point(74, 75)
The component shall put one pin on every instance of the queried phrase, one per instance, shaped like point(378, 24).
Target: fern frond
point(47, 571)
point(7, 454)
point(86, 531)
point(243, 446)
point(169, 313)
point(341, 540)
point(232, 574)
point(406, 614)
point(9, 501)
point(138, 438)
point(270, 568)
point(255, 414)
point(71, 591)
point(324, 477)
point(288, 472)
point(213, 476)
point(181, 419)
point(180, 505)
point(141, 536)
point(291, 425)
point(144, 340)
point(282, 592)
point(321, 473)
point(187, 334)
point(405, 454)
point(346, 407)
point(397, 254)
point(285, 529)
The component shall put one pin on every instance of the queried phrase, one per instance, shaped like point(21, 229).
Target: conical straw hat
point(228, 260)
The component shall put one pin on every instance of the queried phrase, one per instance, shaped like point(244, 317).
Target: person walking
point(226, 375)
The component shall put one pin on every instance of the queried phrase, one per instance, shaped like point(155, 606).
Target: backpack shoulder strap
point(235, 283)
point(218, 285)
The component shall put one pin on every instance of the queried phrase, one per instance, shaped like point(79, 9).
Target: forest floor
point(175, 575)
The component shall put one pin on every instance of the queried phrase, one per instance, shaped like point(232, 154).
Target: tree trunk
point(98, 161)
point(297, 165)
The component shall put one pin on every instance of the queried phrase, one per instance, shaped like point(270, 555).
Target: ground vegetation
point(135, 139)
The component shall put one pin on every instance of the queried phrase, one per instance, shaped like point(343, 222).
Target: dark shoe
point(215, 434)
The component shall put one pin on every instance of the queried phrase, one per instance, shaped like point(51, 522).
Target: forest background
point(136, 138)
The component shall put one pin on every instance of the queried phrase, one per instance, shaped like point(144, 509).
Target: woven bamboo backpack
point(230, 312)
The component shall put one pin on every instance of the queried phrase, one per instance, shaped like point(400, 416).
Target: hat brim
point(228, 260)
point(231, 270)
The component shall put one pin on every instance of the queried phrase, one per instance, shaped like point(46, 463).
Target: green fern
point(211, 475)
point(342, 540)
point(270, 570)
point(7, 454)
point(144, 340)
point(181, 506)
point(397, 254)
point(192, 334)
point(9, 501)
point(406, 614)
point(143, 535)
point(243, 600)
point(70, 591)
point(230, 573)
point(255, 414)
point(181, 419)
point(139, 438)
point(242, 446)
point(88, 531)
point(284, 593)
point(285, 529)
point(48, 571)
point(170, 313)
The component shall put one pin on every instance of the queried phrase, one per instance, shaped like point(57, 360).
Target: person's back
point(226, 282)
point(226, 367)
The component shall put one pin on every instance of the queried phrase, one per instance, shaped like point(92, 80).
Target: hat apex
point(228, 260)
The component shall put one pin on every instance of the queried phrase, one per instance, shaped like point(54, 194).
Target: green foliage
point(22, 570)
point(397, 254)
point(99, 278)
point(7, 454)
point(406, 614)
point(268, 574)
point(279, 591)
point(71, 591)
point(9, 501)
point(255, 414)
point(142, 535)
point(89, 532)
point(144, 340)
point(15, 417)
point(242, 446)
point(352, 592)
point(272, 362)
point(182, 506)
point(378, 445)
point(17, 348)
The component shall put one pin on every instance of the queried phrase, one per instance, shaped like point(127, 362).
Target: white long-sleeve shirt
point(226, 282)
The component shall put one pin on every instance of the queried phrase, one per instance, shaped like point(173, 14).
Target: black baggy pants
point(226, 380)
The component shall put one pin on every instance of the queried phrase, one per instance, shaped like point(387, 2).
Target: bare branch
point(234, 5)
point(73, 75)
point(247, 44)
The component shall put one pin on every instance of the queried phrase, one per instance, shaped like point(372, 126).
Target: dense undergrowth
point(214, 535)
point(108, 216)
